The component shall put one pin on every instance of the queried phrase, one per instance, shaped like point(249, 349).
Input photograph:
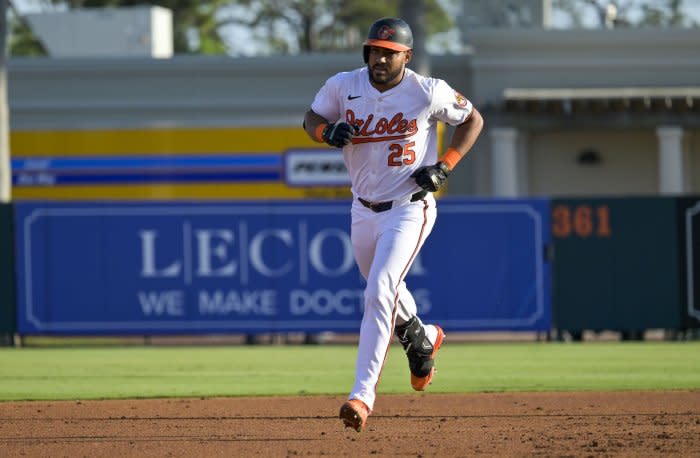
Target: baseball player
point(384, 117)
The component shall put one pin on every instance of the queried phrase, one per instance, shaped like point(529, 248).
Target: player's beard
point(385, 77)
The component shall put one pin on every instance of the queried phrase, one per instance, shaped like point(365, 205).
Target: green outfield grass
point(171, 371)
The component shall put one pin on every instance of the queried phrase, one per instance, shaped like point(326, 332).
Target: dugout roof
point(611, 106)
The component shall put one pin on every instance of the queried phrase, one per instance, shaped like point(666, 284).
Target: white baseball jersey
point(397, 129)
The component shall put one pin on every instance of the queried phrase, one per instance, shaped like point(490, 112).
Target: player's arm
point(463, 139)
point(321, 130)
point(432, 177)
point(312, 122)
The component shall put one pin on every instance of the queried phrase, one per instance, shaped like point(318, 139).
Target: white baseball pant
point(385, 245)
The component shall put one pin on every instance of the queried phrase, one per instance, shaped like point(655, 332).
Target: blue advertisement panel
point(145, 268)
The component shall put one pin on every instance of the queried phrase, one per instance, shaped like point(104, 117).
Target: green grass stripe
point(172, 371)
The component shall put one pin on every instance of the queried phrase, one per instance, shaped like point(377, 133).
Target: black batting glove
point(431, 177)
point(338, 135)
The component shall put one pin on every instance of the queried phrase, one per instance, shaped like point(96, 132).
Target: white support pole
point(670, 159)
point(504, 166)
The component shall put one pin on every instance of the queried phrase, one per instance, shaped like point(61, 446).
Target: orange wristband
point(318, 133)
point(451, 158)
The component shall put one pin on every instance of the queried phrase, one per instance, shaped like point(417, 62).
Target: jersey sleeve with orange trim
point(449, 105)
point(327, 102)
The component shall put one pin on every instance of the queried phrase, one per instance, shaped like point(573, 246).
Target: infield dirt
point(494, 424)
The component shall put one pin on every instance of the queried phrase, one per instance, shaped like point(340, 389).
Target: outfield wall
point(626, 264)
point(7, 271)
point(622, 264)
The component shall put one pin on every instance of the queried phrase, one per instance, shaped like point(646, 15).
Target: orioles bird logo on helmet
point(390, 33)
point(385, 32)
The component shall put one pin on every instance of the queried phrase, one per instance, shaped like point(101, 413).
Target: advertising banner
point(174, 268)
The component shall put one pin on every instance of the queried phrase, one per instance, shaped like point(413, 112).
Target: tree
point(326, 25)
point(668, 15)
point(279, 26)
point(21, 40)
point(628, 13)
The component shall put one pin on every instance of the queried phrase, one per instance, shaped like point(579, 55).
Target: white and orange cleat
point(421, 382)
point(354, 414)
point(421, 344)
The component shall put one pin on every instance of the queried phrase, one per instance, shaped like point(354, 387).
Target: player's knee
point(371, 293)
point(380, 292)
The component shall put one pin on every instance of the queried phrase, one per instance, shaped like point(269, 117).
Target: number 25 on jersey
point(401, 154)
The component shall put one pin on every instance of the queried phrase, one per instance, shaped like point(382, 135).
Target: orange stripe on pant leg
point(396, 298)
